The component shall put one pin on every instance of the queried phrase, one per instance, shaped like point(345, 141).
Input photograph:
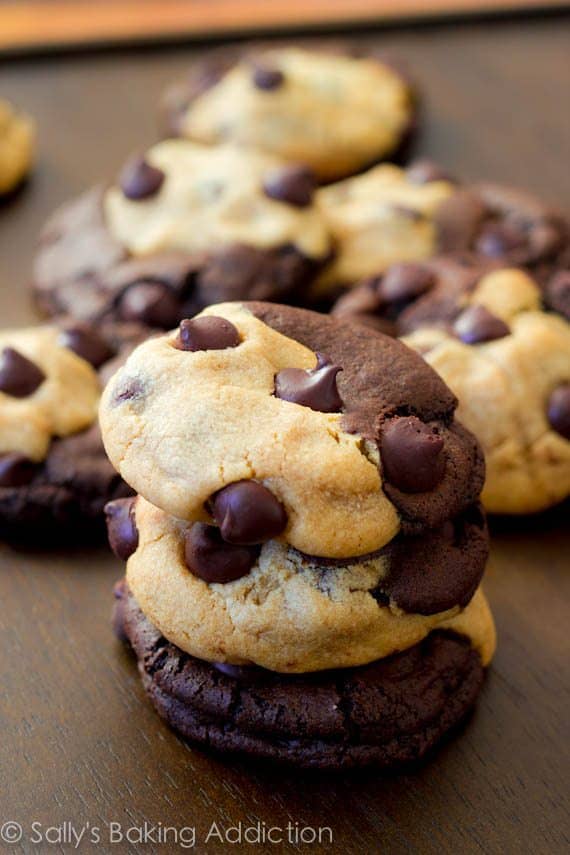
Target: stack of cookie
point(306, 547)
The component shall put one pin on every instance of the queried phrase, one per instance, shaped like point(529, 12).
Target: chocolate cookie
point(17, 139)
point(388, 216)
point(184, 227)
point(388, 713)
point(335, 111)
point(54, 475)
point(487, 335)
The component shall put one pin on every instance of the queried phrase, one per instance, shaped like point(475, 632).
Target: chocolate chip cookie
point(184, 226)
point(17, 137)
point(54, 474)
point(486, 333)
point(390, 215)
point(336, 112)
point(307, 504)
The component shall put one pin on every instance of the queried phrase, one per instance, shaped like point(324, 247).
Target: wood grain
point(79, 741)
point(29, 24)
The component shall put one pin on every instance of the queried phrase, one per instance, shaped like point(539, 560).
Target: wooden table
point(80, 744)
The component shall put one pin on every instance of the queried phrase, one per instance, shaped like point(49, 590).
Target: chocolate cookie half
point(386, 714)
point(185, 226)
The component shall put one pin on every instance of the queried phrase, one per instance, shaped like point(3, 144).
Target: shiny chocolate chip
point(423, 171)
point(150, 303)
point(412, 455)
point(19, 376)
point(316, 388)
point(121, 527)
point(248, 513)
point(16, 470)
point(477, 325)
point(209, 557)
point(139, 180)
point(294, 184)
point(207, 333)
point(86, 343)
point(403, 283)
point(558, 410)
point(267, 78)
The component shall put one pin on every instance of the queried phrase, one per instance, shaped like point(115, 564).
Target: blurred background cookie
point(185, 226)
point(17, 138)
point(334, 111)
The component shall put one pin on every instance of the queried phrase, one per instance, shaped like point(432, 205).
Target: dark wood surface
point(79, 742)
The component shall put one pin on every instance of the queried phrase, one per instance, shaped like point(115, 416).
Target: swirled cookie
point(185, 226)
point(330, 422)
point(54, 475)
point(335, 112)
point(16, 147)
point(508, 362)
point(390, 215)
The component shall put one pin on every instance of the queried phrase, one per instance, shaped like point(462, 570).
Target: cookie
point(292, 613)
point(336, 112)
point(17, 137)
point(308, 505)
point(390, 215)
point(487, 335)
point(388, 713)
point(184, 227)
point(54, 475)
point(337, 423)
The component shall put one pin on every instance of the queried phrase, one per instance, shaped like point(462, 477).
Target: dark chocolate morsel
point(559, 410)
point(19, 376)
point(316, 388)
point(267, 78)
point(498, 239)
point(139, 180)
point(150, 303)
point(211, 558)
point(121, 527)
point(403, 283)
point(424, 171)
point(16, 470)
point(248, 513)
point(207, 333)
point(476, 325)
point(294, 184)
point(86, 343)
point(411, 454)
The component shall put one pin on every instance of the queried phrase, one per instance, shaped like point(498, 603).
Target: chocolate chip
point(267, 78)
point(207, 333)
point(403, 283)
point(476, 325)
point(212, 559)
point(316, 388)
point(248, 513)
point(294, 184)
point(129, 389)
point(86, 343)
point(139, 180)
point(150, 303)
point(499, 239)
point(121, 527)
point(559, 410)
point(16, 470)
point(19, 376)
point(411, 454)
point(424, 171)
